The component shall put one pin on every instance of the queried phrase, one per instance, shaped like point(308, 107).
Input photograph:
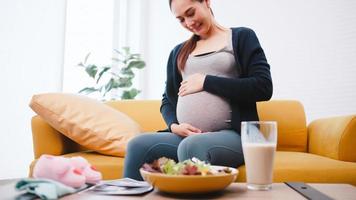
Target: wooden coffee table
point(234, 191)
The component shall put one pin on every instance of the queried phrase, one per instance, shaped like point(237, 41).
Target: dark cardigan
point(253, 84)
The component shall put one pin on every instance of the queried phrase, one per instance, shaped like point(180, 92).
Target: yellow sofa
point(323, 152)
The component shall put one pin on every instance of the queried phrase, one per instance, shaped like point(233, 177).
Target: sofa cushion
point(289, 166)
point(86, 121)
point(307, 167)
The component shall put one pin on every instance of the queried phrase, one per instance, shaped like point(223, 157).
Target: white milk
point(259, 158)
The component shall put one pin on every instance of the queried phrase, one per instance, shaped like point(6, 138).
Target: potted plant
point(116, 77)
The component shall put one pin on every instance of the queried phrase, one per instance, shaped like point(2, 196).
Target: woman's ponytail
point(187, 48)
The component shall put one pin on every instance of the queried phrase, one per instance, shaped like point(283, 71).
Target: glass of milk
point(259, 141)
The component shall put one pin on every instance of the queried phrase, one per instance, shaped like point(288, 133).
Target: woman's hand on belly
point(192, 84)
point(184, 129)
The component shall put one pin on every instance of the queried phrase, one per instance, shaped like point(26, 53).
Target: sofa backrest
point(290, 116)
point(144, 112)
point(291, 122)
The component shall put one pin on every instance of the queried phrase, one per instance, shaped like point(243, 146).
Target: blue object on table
point(44, 188)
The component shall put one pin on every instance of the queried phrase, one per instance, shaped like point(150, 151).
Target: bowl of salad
point(189, 176)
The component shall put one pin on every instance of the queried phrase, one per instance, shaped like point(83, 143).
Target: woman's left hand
point(193, 84)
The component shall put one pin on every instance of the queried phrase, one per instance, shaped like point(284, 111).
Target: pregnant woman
point(214, 80)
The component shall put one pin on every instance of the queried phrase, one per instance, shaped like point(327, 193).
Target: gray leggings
point(218, 148)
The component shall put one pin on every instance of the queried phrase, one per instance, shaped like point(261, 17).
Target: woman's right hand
point(184, 129)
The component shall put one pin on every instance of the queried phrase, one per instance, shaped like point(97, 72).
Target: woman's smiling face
point(194, 15)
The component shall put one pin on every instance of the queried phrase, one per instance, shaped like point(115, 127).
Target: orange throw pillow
point(86, 121)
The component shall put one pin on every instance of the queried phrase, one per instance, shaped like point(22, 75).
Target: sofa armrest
point(47, 140)
point(333, 137)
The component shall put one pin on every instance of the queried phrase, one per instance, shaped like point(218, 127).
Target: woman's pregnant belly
point(205, 111)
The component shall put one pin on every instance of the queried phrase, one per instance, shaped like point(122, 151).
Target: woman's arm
point(168, 112)
point(167, 109)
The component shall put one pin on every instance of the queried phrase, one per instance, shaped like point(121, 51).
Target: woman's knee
point(143, 148)
point(191, 147)
point(138, 143)
point(150, 146)
point(223, 150)
point(222, 155)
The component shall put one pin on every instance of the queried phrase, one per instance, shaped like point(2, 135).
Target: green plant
point(115, 77)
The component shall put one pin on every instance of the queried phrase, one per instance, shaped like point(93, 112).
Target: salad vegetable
point(192, 166)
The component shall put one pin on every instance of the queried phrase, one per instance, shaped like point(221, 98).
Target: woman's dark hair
point(170, 2)
point(188, 46)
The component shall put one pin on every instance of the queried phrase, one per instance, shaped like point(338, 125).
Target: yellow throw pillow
point(86, 121)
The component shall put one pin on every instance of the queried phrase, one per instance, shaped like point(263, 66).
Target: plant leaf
point(101, 73)
point(116, 84)
point(117, 60)
point(88, 90)
point(135, 55)
point(137, 64)
point(126, 50)
point(119, 52)
point(86, 58)
point(109, 86)
point(91, 70)
point(130, 94)
point(81, 64)
point(124, 82)
point(127, 71)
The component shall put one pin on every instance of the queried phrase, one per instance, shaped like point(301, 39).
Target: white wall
point(310, 45)
point(31, 59)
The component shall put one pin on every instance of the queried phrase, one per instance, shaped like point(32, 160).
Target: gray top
point(204, 110)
